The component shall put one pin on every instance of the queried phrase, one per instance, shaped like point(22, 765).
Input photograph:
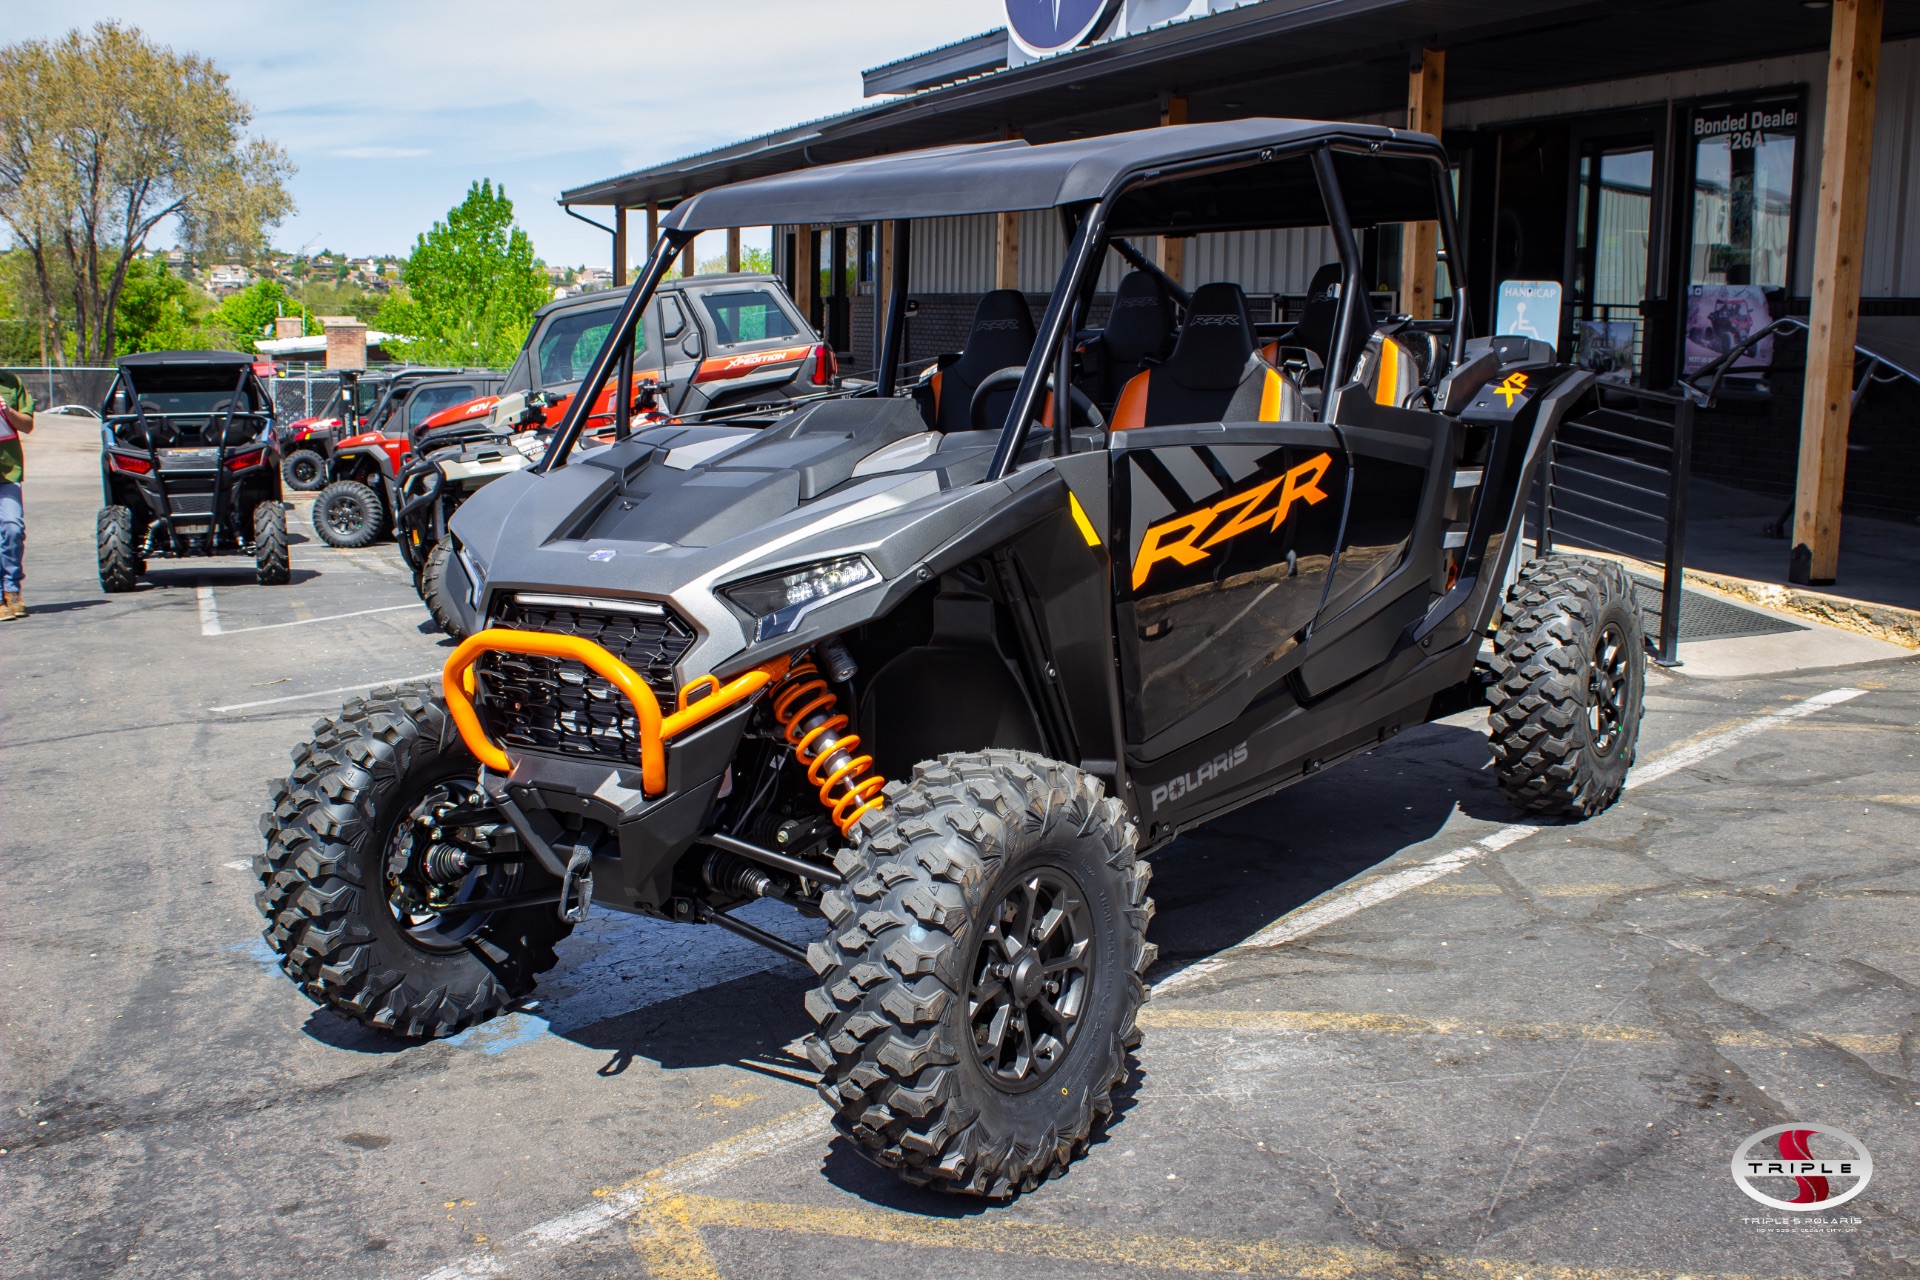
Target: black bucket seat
point(1001, 338)
point(1213, 374)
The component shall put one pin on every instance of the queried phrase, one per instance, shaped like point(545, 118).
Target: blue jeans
point(13, 537)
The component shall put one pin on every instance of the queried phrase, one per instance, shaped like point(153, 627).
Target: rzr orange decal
point(1179, 539)
point(739, 366)
point(1515, 385)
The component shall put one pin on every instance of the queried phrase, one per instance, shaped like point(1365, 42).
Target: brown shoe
point(11, 607)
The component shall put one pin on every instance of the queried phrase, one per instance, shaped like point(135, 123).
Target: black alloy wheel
point(431, 868)
point(1608, 688)
point(1032, 971)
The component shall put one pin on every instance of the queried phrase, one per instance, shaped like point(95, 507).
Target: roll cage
point(1106, 190)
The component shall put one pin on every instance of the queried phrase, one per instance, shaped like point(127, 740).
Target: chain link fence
point(57, 387)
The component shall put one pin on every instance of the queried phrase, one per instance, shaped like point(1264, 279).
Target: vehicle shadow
point(191, 574)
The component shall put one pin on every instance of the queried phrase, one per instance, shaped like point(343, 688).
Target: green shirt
point(11, 458)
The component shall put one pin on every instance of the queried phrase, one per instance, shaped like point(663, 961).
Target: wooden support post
point(883, 274)
point(689, 263)
point(733, 248)
point(1006, 251)
point(1173, 249)
point(1419, 243)
point(806, 277)
point(619, 245)
point(653, 226)
point(1839, 242)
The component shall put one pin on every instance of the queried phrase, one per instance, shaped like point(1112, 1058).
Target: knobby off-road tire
point(914, 930)
point(1569, 685)
point(304, 470)
point(433, 590)
point(271, 567)
point(120, 564)
point(348, 514)
point(324, 886)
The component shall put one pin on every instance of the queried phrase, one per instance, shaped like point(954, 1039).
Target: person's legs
point(13, 546)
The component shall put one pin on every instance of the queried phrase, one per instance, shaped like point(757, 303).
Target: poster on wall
point(1722, 316)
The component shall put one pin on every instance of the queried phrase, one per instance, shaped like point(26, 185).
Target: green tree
point(242, 319)
point(472, 286)
point(104, 135)
point(157, 311)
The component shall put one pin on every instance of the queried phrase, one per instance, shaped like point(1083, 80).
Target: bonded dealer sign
point(1041, 27)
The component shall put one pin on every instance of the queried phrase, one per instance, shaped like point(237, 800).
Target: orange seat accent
point(934, 382)
point(1131, 410)
point(458, 685)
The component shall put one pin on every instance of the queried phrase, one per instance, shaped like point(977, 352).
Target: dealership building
point(1662, 162)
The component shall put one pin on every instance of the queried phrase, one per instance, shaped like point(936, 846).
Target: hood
point(676, 512)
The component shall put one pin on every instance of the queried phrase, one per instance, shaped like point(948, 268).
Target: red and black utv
point(189, 466)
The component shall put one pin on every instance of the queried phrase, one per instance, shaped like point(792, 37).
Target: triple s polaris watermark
point(1821, 1180)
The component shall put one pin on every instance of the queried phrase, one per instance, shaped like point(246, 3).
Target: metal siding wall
point(1259, 261)
point(952, 255)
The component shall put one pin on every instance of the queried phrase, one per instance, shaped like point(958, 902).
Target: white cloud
point(538, 98)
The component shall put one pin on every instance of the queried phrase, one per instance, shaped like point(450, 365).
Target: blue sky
point(390, 110)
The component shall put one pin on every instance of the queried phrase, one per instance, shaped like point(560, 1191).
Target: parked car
point(941, 668)
point(357, 503)
point(189, 466)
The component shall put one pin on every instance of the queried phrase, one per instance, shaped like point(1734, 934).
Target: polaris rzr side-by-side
point(942, 663)
point(356, 503)
point(189, 466)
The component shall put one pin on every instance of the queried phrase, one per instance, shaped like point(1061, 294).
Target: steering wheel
point(977, 409)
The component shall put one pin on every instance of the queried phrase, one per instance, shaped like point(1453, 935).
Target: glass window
point(747, 315)
point(428, 401)
point(1743, 170)
point(570, 341)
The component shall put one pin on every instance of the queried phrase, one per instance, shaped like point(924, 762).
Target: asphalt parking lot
point(1395, 1032)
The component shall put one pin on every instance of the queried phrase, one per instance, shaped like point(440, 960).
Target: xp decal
point(1194, 779)
point(1181, 538)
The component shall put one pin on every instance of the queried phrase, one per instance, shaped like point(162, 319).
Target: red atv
point(359, 499)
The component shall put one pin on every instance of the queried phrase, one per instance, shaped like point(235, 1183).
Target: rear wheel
point(304, 470)
point(365, 887)
point(980, 984)
point(270, 563)
point(348, 514)
point(433, 590)
point(120, 563)
point(1569, 669)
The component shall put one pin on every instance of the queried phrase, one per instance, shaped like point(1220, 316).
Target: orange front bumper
point(655, 728)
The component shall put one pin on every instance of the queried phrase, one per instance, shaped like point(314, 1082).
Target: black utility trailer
point(189, 466)
point(941, 661)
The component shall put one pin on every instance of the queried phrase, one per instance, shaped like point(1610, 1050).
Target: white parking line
point(301, 622)
point(209, 611)
point(812, 1123)
point(321, 693)
point(1342, 903)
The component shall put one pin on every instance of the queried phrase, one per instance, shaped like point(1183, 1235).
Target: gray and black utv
point(189, 466)
point(942, 662)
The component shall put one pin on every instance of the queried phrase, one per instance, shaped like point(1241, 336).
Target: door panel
point(1229, 533)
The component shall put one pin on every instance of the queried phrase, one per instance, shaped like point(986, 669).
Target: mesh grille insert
point(558, 705)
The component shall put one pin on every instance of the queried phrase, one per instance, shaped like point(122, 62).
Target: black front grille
point(558, 705)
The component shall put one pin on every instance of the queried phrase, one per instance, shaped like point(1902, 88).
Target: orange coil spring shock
point(810, 714)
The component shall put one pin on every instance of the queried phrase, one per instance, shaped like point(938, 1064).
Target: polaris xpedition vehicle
point(357, 503)
point(189, 466)
point(941, 664)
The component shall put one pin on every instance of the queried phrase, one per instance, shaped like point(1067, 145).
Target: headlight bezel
point(779, 601)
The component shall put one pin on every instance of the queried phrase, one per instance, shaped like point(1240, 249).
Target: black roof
point(153, 359)
point(606, 297)
point(995, 177)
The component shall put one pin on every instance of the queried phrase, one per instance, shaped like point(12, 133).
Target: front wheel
point(980, 983)
point(433, 590)
point(379, 850)
point(271, 567)
point(1569, 686)
point(348, 514)
point(304, 470)
point(119, 561)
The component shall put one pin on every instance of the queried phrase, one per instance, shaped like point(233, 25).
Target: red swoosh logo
point(1793, 1146)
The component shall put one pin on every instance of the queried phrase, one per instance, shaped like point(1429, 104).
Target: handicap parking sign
point(1529, 309)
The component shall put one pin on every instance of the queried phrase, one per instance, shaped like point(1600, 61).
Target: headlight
point(779, 601)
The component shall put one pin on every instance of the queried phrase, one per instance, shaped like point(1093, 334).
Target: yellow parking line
point(667, 1236)
point(1405, 1025)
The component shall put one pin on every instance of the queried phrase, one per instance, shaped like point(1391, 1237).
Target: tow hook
point(576, 887)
